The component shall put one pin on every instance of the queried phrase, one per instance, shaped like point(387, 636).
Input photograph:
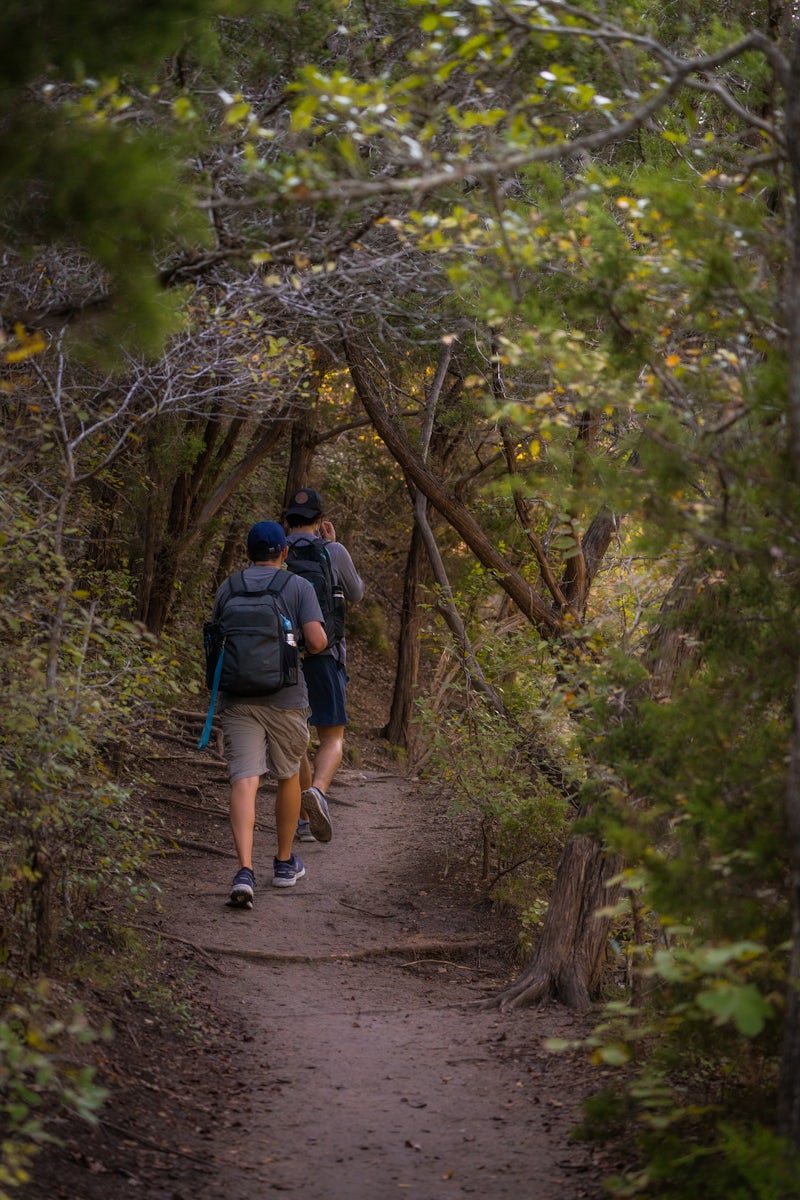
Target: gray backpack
point(255, 639)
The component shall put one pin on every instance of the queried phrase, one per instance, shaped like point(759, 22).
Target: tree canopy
point(520, 281)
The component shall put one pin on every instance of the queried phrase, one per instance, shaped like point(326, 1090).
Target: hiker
point(267, 732)
point(325, 673)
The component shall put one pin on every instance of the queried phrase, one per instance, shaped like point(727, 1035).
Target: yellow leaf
point(237, 113)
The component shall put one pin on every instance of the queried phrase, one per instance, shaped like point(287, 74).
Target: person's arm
point(346, 573)
point(315, 639)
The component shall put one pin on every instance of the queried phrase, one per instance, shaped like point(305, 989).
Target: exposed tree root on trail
point(417, 947)
point(206, 1160)
point(213, 810)
point(201, 847)
point(160, 933)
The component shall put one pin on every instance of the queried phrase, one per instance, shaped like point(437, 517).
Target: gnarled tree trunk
point(567, 964)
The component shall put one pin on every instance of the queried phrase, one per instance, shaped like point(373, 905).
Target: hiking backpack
point(309, 557)
point(255, 638)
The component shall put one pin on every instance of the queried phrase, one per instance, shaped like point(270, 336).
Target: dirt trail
point(346, 1058)
point(370, 1071)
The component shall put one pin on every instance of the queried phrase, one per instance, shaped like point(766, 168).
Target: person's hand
point(327, 530)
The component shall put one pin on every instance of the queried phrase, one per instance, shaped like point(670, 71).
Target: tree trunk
point(568, 962)
point(192, 509)
point(580, 570)
point(789, 1092)
point(397, 727)
point(389, 429)
point(569, 959)
point(303, 446)
point(306, 433)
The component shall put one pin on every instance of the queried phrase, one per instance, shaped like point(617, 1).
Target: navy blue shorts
point(326, 680)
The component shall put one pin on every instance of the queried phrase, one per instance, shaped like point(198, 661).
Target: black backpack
point(256, 639)
point(309, 557)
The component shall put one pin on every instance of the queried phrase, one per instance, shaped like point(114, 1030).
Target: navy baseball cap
point(265, 540)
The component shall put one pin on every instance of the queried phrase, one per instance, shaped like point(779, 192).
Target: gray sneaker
point(315, 806)
point(303, 832)
point(242, 889)
point(286, 874)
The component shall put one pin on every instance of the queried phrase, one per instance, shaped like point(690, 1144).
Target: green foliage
point(116, 196)
point(37, 1077)
point(113, 187)
point(78, 677)
point(696, 805)
point(693, 1084)
point(484, 763)
point(620, 349)
point(367, 622)
point(77, 37)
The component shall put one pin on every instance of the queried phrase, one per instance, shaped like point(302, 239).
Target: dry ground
point(337, 1051)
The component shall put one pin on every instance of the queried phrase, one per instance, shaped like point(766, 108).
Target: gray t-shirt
point(300, 602)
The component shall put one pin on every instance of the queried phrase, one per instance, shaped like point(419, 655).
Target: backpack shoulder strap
point(279, 583)
point(242, 589)
point(232, 591)
point(272, 589)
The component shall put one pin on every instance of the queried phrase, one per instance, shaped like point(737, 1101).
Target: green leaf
point(741, 1003)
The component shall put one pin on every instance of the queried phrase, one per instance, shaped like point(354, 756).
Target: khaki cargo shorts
point(259, 738)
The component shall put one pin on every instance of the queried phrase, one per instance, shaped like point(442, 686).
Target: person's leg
point(287, 731)
point(328, 756)
point(243, 818)
point(245, 750)
point(327, 694)
point(326, 681)
point(287, 812)
point(304, 833)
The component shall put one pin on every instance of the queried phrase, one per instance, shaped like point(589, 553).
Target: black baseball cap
point(305, 503)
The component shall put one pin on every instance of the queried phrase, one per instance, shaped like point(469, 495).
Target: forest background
point(516, 285)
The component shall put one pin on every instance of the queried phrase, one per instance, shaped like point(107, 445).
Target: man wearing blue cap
point(269, 732)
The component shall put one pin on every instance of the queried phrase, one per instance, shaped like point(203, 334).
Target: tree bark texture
point(397, 727)
point(197, 496)
point(568, 962)
point(302, 448)
point(789, 1090)
point(581, 569)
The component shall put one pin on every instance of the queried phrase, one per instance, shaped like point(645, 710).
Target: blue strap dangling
point(206, 734)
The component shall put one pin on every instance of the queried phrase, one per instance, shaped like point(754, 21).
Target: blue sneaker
point(243, 889)
point(303, 832)
point(315, 806)
point(286, 874)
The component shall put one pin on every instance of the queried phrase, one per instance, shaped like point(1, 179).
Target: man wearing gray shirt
point(269, 732)
point(326, 673)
